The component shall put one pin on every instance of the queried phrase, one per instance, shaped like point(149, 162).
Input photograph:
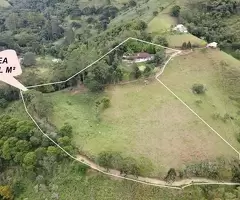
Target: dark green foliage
point(140, 25)
point(171, 175)
point(79, 168)
point(3, 103)
point(155, 13)
point(115, 160)
point(132, 3)
point(189, 45)
point(211, 19)
point(184, 46)
point(29, 59)
point(175, 11)
point(198, 88)
point(159, 57)
point(161, 40)
point(136, 72)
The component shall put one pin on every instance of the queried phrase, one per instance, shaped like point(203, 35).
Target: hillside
point(116, 113)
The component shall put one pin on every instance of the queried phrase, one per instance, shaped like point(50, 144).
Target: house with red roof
point(138, 57)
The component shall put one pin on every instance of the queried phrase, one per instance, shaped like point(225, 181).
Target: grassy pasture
point(144, 121)
point(205, 68)
point(161, 23)
point(178, 39)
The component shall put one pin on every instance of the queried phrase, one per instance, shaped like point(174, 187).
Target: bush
point(175, 11)
point(198, 89)
point(161, 40)
point(3, 103)
point(29, 59)
point(155, 13)
point(105, 102)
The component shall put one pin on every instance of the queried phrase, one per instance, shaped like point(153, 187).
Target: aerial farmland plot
point(146, 122)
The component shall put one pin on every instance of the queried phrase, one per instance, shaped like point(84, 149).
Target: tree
point(136, 72)
point(198, 88)
point(52, 152)
point(23, 146)
point(140, 25)
point(29, 59)
point(12, 21)
point(159, 57)
point(105, 159)
point(30, 160)
point(64, 141)
point(155, 13)
point(66, 130)
point(175, 11)
point(3, 103)
point(171, 175)
point(69, 36)
point(132, 3)
point(189, 45)
point(6, 192)
point(184, 46)
point(161, 40)
point(43, 107)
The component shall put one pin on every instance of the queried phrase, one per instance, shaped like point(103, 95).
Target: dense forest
point(215, 21)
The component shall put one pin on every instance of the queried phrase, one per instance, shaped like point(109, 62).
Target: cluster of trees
point(126, 165)
point(186, 45)
point(210, 20)
point(24, 148)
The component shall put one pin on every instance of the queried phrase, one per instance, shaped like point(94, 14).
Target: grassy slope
point(205, 68)
point(162, 23)
point(145, 122)
point(143, 11)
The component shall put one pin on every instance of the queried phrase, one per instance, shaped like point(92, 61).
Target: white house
point(138, 57)
point(180, 28)
point(212, 45)
point(56, 60)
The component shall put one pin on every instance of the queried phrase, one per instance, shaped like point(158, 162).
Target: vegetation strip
point(149, 180)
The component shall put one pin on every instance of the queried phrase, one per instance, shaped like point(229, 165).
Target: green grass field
point(178, 39)
point(144, 121)
point(205, 68)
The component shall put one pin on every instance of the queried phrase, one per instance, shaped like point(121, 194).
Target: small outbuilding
point(212, 45)
point(180, 28)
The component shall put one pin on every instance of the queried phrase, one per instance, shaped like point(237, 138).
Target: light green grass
point(143, 121)
point(161, 23)
point(178, 39)
point(205, 68)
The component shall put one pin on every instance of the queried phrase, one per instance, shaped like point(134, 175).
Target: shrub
point(198, 102)
point(3, 103)
point(105, 102)
point(29, 59)
point(155, 13)
point(198, 89)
